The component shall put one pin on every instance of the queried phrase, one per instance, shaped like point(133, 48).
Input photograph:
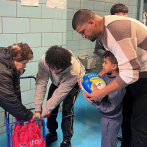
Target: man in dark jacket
point(13, 60)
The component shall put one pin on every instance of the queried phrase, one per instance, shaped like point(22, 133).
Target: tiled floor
point(87, 131)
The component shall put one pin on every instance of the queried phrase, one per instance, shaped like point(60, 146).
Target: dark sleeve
point(17, 89)
point(8, 98)
point(99, 48)
point(111, 101)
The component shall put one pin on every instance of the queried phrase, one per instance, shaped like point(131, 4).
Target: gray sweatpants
point(110, 129)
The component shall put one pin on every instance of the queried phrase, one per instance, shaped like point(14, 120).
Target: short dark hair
point(24, 53)
point(82, 16)
point(58, 57)
point(118, 8)
point(109, 55)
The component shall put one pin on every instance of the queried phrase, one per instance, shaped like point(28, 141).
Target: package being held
point(88, 79)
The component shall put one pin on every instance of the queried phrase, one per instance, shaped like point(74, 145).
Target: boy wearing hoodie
point(111, 105)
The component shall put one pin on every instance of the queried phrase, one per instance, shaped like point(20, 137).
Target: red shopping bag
point(28, 135)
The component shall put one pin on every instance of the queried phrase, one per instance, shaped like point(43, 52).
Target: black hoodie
point(10, 95)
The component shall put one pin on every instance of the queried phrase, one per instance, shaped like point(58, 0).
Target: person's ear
point(92, 22)
point(115, 66)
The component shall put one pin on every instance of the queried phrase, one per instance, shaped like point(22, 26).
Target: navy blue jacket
point(111, 105)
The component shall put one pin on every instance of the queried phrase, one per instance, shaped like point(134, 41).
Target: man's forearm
point(113, 86)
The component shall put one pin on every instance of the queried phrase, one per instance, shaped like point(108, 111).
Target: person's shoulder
point(5, 60)
point(108, 78)
point(114, 20)
point(5, 71)
point(5, 48)
point(104, 75)
point(42, 60)
point(72, 53)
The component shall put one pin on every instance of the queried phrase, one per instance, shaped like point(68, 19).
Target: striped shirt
point(126, 38)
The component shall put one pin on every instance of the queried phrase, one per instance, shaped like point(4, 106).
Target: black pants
point(134, 125)
point(67, 112)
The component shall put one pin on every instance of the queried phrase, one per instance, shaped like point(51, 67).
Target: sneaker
point(119, 138)
point(65, 143)
point(50, 138)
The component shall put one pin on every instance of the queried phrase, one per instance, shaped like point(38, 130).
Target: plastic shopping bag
point(28, 135)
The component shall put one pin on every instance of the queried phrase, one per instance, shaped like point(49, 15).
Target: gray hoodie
point(65, 81)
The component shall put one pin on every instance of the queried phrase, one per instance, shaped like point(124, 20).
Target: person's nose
point(54, 71)
point(83, 36)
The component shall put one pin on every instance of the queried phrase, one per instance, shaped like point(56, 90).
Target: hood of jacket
point(6, 57)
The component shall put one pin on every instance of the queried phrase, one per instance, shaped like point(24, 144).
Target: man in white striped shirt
point(126, 38)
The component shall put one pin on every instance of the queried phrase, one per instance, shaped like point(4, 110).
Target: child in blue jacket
point(111, 105)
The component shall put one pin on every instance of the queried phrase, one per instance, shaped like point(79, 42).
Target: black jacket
point(10, 95)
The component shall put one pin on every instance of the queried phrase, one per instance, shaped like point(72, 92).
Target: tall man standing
point(121, 10)
point(126, 38)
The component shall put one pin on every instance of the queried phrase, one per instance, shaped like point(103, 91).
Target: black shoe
point(65, 143)
point(50, 138)
point(119, 138)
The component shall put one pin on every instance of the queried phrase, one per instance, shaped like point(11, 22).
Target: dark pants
point(67, 112)
point(134, 125)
